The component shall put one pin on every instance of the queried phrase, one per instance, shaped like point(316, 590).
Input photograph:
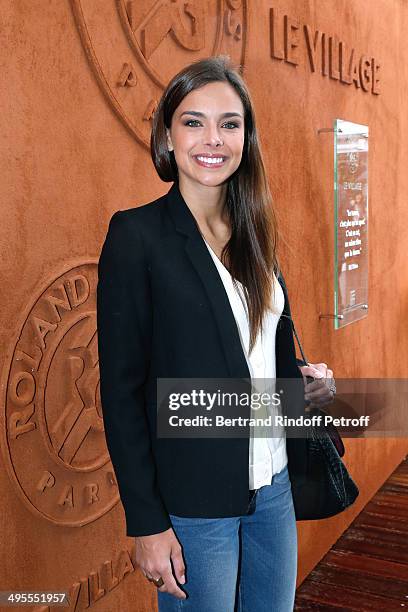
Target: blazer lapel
point(197, 251)
point(201, 259)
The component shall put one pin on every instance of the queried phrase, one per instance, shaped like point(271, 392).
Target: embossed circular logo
point(53, 426)
point(136, 47)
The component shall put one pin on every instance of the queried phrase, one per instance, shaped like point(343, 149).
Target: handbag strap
point(297, 338)
point(331, 430)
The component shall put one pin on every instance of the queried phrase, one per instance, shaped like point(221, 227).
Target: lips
point(210, 161)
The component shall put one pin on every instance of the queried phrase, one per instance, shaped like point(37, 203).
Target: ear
point(169, 142)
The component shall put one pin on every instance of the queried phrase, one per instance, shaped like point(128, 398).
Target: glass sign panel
point(351, 222)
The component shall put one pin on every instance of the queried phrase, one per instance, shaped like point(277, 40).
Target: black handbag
point(326, 488)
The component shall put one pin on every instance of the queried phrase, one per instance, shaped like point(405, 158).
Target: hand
point(318, 391)
point(153, 555)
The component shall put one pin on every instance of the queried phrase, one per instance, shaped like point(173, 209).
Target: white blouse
point(267, 454)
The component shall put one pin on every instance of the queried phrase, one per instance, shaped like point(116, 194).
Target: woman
point(189, 287)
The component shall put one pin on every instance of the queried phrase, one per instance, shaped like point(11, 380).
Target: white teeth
point(211, 160)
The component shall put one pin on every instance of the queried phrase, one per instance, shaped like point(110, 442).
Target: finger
point(170, 585)
point(312, 372)
point(322, 381)
point(178, 565)
point(319, 393)
point(309, 370)
point(322, 369)
point(318, 371)
point(322, 404)
point(315, 385)
point(322, 400)
point(146, 573)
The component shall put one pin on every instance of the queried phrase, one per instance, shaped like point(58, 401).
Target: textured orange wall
point(76, 95)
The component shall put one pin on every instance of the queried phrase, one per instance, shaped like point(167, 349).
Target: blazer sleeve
point(124, 331)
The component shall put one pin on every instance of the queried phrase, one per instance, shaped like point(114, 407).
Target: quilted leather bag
point(327, 488)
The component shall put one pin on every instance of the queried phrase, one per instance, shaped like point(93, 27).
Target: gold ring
point(156, 581)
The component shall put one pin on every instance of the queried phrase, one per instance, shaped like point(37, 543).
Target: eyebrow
point(199, 114)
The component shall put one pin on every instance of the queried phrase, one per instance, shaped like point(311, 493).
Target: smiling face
point(207, 135)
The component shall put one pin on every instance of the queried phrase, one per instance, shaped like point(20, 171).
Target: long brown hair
point(251, 249)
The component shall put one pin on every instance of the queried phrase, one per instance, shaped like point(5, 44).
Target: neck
point(207, 205)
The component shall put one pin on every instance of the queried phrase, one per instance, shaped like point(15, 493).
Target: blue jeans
point(242, 563)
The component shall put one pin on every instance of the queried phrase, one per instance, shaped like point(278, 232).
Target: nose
point(212, 136)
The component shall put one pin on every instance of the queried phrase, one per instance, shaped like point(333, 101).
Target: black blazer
point(162, 311)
